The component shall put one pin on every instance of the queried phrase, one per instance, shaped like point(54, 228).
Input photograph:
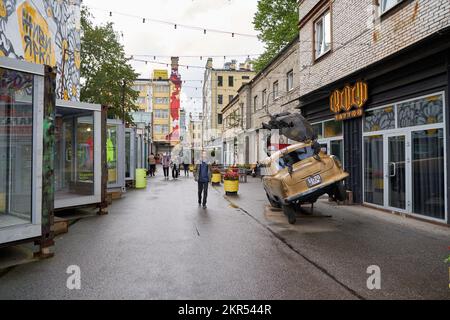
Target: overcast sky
point(151, 38)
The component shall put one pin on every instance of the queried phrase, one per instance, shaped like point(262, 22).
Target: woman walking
point(166, 165)
point(152, 164)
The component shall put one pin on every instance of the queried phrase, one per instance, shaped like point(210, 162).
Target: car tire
point(273, 203)
point(340, 192)
point(291, 213)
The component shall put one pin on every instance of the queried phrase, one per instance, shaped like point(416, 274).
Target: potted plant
point(231, 182)
point(216, 176)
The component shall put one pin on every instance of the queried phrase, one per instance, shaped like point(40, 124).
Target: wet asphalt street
point(158, 244)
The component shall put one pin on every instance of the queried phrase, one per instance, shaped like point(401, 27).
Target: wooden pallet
point(60, 226)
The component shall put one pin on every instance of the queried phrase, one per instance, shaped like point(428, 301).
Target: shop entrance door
point(396, 155)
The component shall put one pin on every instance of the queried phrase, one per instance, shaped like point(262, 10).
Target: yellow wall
point(160, 106)
point(226, 90)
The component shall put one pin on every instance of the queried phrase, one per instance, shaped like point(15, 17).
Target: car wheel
point(340, 193)
point(273, 203)
point(291, 213)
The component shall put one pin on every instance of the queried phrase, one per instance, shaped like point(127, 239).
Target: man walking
point(202, 175)
point(186, 169)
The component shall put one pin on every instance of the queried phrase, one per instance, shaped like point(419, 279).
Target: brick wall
point(276, 72)
point(361, 37)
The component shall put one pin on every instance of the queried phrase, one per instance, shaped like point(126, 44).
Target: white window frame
point(322, 19)
point(33, 228)
point(276, 92)
point(77, 200)
point(290, 80)
point(328, 140)
point(384, 10)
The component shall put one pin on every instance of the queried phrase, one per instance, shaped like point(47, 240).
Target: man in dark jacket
point(202, 175)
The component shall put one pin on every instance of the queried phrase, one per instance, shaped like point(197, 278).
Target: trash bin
point(141, 181)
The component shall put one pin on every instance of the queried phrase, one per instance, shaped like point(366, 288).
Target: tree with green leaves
point(276, 21)
point(106, 75)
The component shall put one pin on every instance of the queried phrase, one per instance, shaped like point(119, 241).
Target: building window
point(161, 129)
point(322, 34)
point(386, 5)
point(161, 114)
point(332, 129)
point(275, 90)
point(264, 97)
point(220, 81)
point(220, 99)
point(219, 118)
point(290, 80)
point(161, 88)
point(255, 103)
point(160, 100)
point(231, 81)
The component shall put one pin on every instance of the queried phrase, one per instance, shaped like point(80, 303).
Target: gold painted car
point(301, 173)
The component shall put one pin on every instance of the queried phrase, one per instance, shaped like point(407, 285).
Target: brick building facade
point(374, 82)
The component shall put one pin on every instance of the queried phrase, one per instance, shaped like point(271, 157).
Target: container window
point(74, 160)
point(16, 147)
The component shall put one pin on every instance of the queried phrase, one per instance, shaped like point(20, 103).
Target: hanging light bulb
point(232, 34)
point(110, 13)
point(204, 31)
point(143, 20)
point(175, 26)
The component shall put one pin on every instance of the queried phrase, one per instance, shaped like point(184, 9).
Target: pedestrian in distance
point(202, 175)
point(152, 164)
point(175, 168)
point(186, 169)
point(166, 165)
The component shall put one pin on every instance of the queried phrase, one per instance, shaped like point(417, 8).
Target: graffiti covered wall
point(44, 32)
point(175, 89)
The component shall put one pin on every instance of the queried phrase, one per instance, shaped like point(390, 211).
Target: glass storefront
point(404, 157)
point(373, 170)
point(74, 159)
point(16, 147)
point(428, 170)
point(112, 154)
point(329, 136)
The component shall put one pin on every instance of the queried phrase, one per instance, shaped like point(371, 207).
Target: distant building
point(143, 86)
point(219, 88)
point(166, 107)
point(274, 89)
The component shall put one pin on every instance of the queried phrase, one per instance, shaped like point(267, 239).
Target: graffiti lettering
point(37, 42)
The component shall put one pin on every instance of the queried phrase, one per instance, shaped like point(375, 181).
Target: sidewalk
point(409, 252)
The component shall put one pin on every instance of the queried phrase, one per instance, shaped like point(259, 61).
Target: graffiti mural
point(175, 89)
point(44, 32)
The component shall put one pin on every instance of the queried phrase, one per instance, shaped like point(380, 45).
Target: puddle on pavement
point(306, 222)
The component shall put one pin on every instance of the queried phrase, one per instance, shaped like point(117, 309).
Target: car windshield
point(294, 157)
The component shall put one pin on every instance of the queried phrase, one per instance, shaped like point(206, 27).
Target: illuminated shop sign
point(348, 102)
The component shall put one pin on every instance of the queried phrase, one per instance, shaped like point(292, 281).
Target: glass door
point(396, 168)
